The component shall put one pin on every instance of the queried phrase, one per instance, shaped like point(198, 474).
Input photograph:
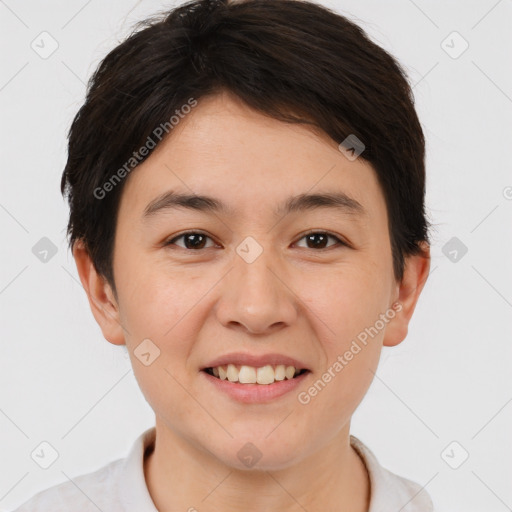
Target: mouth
point(262, 375)
point(255, 384)
point(255, 378)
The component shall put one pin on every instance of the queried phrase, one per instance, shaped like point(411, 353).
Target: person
point(246, 182)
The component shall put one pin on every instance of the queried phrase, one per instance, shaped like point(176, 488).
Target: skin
point(294, 299)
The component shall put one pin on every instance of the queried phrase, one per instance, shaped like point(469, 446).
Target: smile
point(264, 375)
point(252, 392)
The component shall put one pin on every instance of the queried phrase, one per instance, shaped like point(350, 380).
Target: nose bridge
point(254, 295)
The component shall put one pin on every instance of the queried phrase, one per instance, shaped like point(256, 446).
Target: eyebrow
point(174, 200)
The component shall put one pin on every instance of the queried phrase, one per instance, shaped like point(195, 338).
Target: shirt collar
point(389, 491)
point(133, 491)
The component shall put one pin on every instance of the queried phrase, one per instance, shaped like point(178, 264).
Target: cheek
point(347, 300)
point(153, 294)
point(330, 400)
point(169, 308)
point(152, 303)
point(157, 307)
point(348, 304)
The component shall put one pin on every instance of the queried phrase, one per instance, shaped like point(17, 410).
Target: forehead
point(248, 162)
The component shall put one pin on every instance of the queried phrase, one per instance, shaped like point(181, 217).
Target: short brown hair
point(293, 60)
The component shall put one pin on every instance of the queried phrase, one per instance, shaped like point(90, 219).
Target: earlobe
point(416, 271)
point(101, 298)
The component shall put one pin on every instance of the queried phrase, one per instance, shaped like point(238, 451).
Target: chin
point(259, 454)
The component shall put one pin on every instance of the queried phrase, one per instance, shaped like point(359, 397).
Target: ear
point(416, 271)
point(103, 304)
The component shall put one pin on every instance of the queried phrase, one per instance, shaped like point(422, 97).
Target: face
point(243, 279)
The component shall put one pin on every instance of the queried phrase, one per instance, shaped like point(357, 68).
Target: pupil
point(320, 235)
point(196, 242)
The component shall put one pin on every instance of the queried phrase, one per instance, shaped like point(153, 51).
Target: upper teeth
point(250, 375)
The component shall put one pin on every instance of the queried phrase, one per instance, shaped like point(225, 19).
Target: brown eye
point(319, 240)
point(192, 240)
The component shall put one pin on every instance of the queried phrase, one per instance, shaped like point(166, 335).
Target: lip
point(255, 393)
point(257, 361)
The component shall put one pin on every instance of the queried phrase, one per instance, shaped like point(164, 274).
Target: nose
point(257, 297)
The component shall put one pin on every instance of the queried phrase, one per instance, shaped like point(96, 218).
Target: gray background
point(62, 383)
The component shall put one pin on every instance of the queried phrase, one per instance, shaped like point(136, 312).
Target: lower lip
point(256, 393)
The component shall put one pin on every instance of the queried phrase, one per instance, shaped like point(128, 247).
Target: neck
point(179, 476)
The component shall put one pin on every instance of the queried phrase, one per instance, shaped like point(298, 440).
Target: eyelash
point(331, 235)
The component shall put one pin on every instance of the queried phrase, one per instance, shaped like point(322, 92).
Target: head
point(286, 244)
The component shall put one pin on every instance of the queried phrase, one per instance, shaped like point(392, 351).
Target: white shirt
point(121, 487)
